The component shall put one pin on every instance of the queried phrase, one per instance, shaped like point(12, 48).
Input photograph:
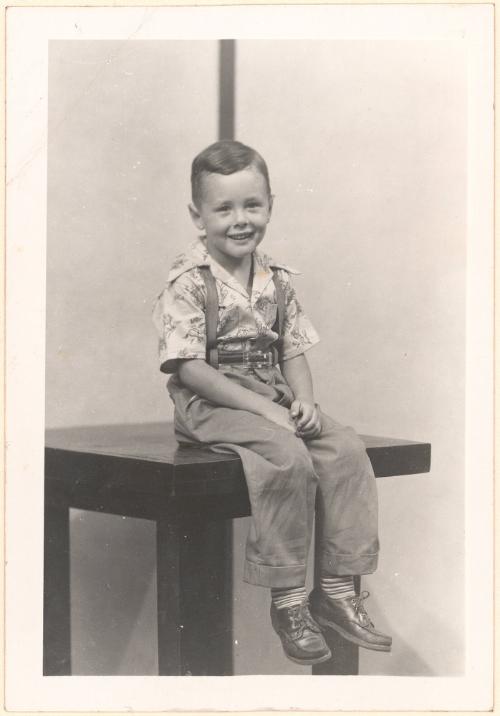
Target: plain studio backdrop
point(366, 147)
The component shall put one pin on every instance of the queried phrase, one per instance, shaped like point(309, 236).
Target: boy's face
point(233, 210)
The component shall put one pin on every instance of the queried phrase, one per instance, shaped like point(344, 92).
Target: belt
point(259, 359)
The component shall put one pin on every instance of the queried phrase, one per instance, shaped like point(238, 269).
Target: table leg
point(56, 586)
point(194, 596)
point(168, 559)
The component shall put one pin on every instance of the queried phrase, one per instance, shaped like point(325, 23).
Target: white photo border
point(29, 30)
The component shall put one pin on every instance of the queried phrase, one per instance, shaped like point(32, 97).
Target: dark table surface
point(146, 456)
point(156, 442)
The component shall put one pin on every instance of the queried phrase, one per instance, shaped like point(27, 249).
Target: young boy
point(241, 382)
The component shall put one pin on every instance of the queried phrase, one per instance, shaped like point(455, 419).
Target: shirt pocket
point(267, 311)
point(229, 318)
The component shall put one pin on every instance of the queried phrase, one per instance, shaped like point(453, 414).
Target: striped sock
point(288, 597)
point(338, 587)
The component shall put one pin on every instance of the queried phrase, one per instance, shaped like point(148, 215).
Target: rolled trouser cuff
point(348, 564)
point(263, 575)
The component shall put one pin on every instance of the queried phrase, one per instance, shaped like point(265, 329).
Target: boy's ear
point(271, 202)
point(195, 217)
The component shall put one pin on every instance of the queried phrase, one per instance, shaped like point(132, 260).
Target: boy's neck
point(240, 269)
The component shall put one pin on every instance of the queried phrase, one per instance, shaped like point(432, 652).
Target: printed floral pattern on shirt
point(244, 320)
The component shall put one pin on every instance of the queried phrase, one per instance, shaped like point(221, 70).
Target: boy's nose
point(240, 218)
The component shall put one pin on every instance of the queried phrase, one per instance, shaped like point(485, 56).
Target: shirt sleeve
point(179, 317)
point(298, 332)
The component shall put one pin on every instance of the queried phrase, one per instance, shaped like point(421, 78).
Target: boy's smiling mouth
point(241, 237)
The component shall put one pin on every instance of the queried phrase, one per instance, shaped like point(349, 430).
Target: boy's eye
point(253, 205)
point(224, 207)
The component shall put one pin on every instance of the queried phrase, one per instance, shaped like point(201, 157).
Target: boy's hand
point(307, 419)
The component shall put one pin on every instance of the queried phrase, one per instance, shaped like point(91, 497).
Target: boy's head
point(232, 200)
point(224, 157)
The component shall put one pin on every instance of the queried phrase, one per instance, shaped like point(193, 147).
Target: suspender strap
point(280, 318)
point(211, 316)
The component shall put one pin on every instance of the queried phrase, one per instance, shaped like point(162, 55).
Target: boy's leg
point(347, 505)
point(281, 485)
point(282, 489)
point(348, 527)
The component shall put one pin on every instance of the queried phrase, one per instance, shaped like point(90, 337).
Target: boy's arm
point(298, 376)
point(208, 383)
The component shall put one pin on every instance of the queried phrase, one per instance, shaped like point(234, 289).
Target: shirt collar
point(197, 255)
point(265, 263)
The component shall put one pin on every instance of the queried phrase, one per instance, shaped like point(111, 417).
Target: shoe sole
point(310, 662)
point(359, 642)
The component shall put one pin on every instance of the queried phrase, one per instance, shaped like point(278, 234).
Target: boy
point(230, 393)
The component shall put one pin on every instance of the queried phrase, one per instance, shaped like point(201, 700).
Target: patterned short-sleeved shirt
point(244, 320)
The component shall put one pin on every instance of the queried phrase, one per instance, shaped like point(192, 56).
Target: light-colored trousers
point(289, 480)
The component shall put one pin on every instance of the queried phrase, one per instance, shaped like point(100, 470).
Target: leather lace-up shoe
point(348, 617)
point(300, 636)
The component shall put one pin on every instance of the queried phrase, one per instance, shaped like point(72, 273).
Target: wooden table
point(192, 494)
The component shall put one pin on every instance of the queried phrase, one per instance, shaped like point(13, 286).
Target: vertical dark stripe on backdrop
point(224, 600)
point(227, 53)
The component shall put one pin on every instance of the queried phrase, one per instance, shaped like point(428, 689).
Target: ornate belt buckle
point(266, 359)
point(246, 358)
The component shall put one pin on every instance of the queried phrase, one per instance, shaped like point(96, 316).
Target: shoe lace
point(359, 607)
point(300, 618)
point(309, 619)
